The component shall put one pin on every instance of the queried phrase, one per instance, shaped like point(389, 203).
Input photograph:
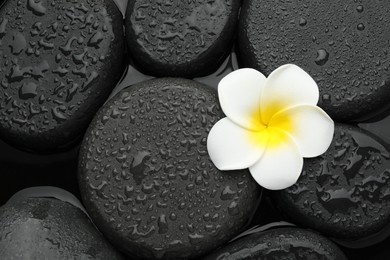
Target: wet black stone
point(146, 178)
point(344, 193)
point(180, 38)
point(59, 61)
point(343, 45)
point(278, 244)
point(36, 228)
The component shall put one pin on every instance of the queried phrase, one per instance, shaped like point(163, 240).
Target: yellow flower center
point(272, 125)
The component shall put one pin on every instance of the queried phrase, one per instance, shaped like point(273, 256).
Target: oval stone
point(278, 244)
point(59, 60)
point(343, 45)
point(146, 178)
point(180, 38)
point(36, 228)
point(344, 193)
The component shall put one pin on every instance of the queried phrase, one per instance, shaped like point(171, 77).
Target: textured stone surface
point(146, 178)
point(42, 228)
point(180, 38)
point(345, 192)
point(59, 60)
point(343, 45)
point(278, 244)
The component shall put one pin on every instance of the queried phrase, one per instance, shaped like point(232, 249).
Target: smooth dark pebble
point(344, 193)
point(342, 45)
point(281, 243)
point(46, 228)
point(146, 178)
point(180, 38)
point(59, 61)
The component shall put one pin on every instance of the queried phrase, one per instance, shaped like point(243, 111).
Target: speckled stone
point(280, 244)
point(42, 228)
point(343, 45)
point(146, 178)
point(180, 38)
point(59, 60)
point(344, 193)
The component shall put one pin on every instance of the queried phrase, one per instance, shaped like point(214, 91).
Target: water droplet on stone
point(195, 238)
point(96, 39)
point(302, 22)
point(322, 57)
point(162, 224)
point(18, 43)
point(28, 90)
point(3, 25)
point(58, 113)
point(138, 166)
point(326, 98)
point(360, 27)
point(233, 209)
point(36, 7)
point(227, 193)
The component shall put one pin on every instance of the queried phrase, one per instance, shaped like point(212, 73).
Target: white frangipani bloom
point(270, 125)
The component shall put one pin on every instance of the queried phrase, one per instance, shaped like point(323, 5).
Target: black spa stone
point(344, 193)
point(146, 178)
point(278, 244)
point(180, 38)
point(45, 228)
point(59, 60)
point(343, 45)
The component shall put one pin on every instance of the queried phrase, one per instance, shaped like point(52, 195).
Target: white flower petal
point(281, 164)
point(232, 147)
point(310, 127)
point(287, 86)
point(239, 95)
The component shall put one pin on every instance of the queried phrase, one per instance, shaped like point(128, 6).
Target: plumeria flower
point(270, 125)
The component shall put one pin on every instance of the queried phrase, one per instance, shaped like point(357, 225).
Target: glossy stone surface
point(343, 45)
point(59, 60)
point(43, 228)
point(278, 244)
point(180, 38)
point(146, 178)
point(344, 193)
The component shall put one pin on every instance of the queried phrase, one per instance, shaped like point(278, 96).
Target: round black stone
point(59, 60)
point(180, 38)
point(36, 228)
point(343, 45)
point(146, 178)
point(278, 244)
point(345, 192)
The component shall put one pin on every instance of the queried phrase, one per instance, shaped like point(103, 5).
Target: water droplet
point(58, 113)
point(3, 25)
point(28, 90)
point(138, 166)
point(162, 224)
point(18, 43)
point(227, 193)
point(100, 189)
point(36, 7)
point(233, 209)
point(195, 238)
point(360, 27)
point(96, 39)
point(302, 22)
point(326, 98)
point(67, 49)
point(322, 57)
